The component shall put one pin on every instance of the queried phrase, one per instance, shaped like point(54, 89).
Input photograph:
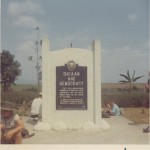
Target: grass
point(110, 86)
point(136, 115)
point(20, 87)
point(21, 96)
point(130, 103)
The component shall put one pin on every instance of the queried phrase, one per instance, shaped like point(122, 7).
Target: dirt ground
point(137, 115)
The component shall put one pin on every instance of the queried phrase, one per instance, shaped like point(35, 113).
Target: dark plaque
point(71, 87)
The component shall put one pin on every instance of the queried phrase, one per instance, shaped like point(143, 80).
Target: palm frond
point(124, 76)
point(137, 78)
point(133, 74)
point(123, 81)
point(128, 74)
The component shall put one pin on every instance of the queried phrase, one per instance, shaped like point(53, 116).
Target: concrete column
point(96, 47)
point(45, 103)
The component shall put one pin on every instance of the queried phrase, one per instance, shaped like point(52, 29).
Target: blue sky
point(122, 26)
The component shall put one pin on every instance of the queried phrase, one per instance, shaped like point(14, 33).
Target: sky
point(122, 26)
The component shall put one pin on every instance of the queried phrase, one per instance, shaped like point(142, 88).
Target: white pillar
point(45, 103)
point(96, 47)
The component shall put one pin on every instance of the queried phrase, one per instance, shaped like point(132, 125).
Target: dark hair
point(148, 81)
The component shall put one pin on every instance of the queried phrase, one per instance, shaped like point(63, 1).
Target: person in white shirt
point(36, 107)
point(114, 110)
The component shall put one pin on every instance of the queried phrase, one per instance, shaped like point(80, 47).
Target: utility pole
point(37, 52)
point(38, 57)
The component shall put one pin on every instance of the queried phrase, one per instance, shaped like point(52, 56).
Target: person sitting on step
point(36, 107)
point(11, 124)
point(113, 108)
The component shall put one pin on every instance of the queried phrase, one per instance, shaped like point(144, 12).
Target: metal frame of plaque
point(71, 87)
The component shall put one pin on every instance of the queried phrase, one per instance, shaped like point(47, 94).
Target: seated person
point(147, 85)
point(146, 129)
point(106, 112)
point(11, 124)
point(113, 109)
point(36, 107)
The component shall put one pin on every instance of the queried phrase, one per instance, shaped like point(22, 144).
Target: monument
point(71, 87)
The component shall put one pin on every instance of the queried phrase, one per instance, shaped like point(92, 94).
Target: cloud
point(26, 21)
point(17, 9)
point(81, 39)
point(23, 13)
point(117, 51)
point(132, 18)
point(26, 47)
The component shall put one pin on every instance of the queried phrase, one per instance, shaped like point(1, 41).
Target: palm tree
point(129, 80)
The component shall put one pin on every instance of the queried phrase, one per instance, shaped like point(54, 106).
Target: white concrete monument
point(71, 86)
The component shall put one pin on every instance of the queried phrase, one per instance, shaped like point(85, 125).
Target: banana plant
point(129, 79)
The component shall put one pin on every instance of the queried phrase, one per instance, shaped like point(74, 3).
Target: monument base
point(59, 126)
point(41, 126)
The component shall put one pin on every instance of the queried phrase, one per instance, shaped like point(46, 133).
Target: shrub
point(125, 99)
point(134, 88)
point(18, 97)
point(21, 98)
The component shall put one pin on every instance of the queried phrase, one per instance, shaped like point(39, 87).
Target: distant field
point(118, 85)
point(104, 86)
point(23, 86)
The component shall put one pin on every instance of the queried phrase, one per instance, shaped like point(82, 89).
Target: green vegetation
point(135, 99)
point(20, 87)
point(21, 96)
point(129, 80)
point(10, 69)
